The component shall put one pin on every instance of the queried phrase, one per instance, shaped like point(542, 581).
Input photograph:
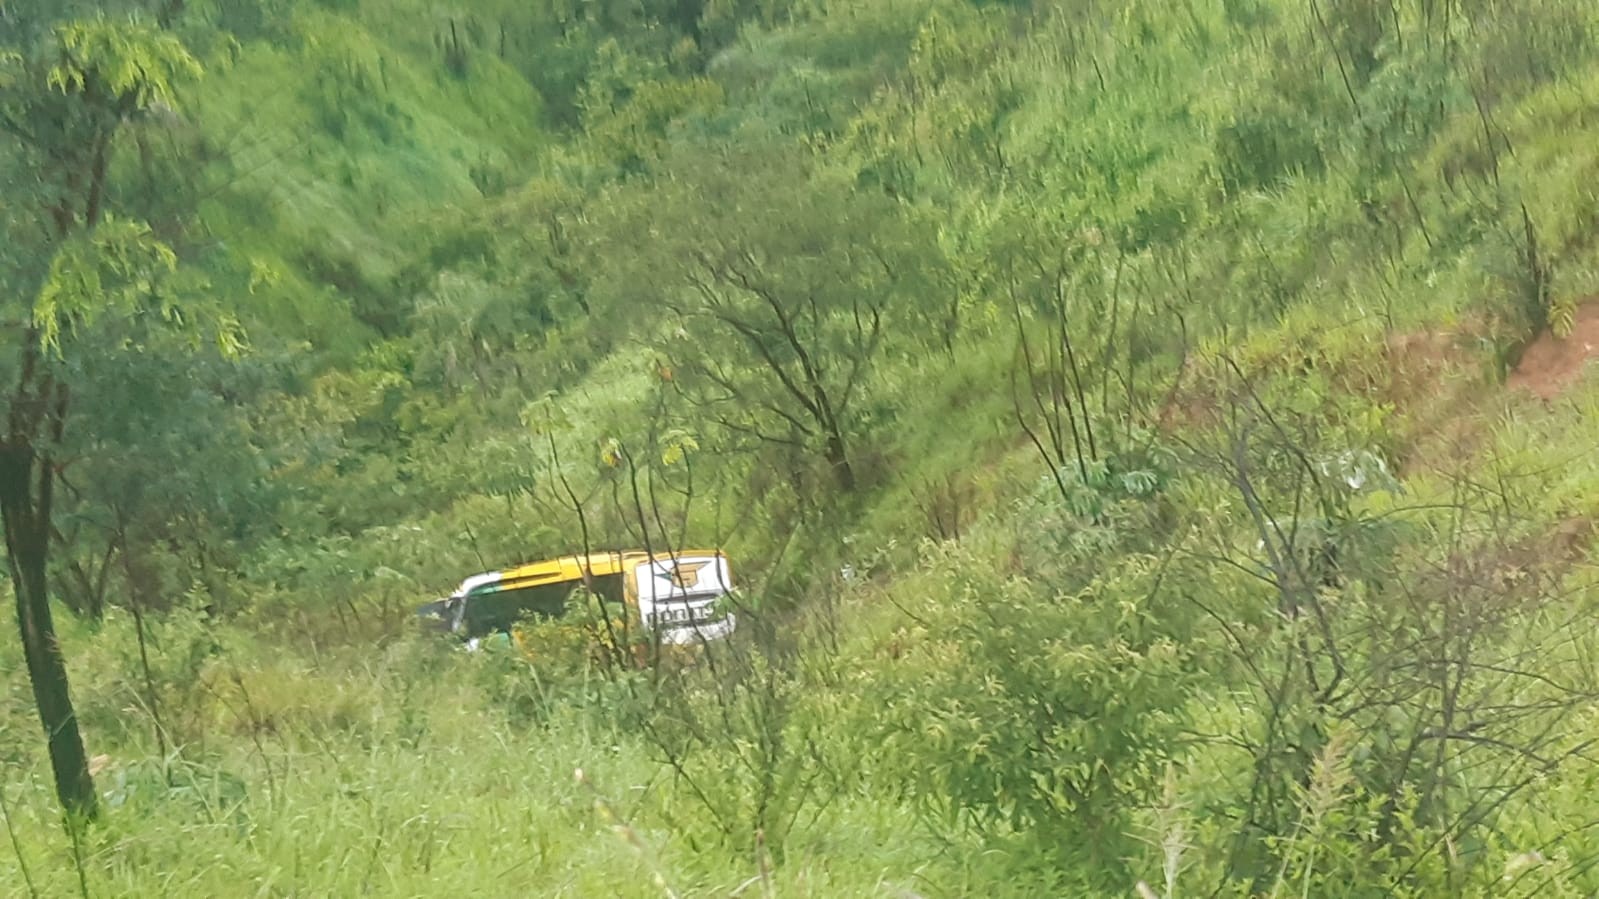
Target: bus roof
point(571, 568)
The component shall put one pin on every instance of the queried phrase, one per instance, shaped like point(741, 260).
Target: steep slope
point(1114, 411)
point(342, 141)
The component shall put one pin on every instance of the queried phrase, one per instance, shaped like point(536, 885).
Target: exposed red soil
point(1433, 380)
point(1551, 364)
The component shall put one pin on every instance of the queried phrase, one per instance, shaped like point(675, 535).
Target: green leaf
point(108, 270)
point(611, 452)
point(137, 64)
point(263, 274)
point(677, 444)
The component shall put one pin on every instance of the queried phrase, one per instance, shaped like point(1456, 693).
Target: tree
point(770, 285)
point(71, 267)
point(165, 480)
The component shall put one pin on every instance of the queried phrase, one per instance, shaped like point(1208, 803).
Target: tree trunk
point(26, 518)
point(838, 457)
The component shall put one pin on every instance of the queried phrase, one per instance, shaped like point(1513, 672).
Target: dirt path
point(1551, 364)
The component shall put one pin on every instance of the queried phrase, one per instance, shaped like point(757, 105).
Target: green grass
point(401, 774)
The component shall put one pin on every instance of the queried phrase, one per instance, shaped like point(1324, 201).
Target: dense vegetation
point(1111, 407)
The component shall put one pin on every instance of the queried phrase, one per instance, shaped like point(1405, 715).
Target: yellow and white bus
point(676, 594)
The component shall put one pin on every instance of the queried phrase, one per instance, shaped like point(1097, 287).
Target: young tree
point(70, 267)
point(1434, 633)
point(770, 286)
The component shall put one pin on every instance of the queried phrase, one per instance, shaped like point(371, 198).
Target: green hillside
point(1154, 440)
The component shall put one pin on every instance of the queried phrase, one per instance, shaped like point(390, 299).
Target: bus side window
point(501, 610)
point(609, 588)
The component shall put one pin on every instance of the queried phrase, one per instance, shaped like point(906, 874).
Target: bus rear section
point(680, 596)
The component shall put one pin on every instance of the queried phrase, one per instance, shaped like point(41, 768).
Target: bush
point(1027, 710)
